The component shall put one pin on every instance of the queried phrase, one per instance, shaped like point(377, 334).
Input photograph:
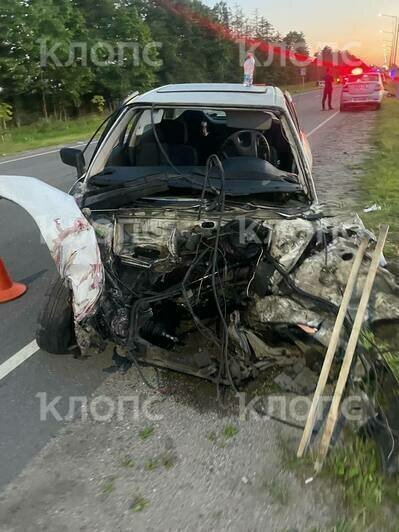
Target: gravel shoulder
point(193, 466)
point(338, 154)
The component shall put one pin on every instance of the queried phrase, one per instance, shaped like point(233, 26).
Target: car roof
point(212, 94)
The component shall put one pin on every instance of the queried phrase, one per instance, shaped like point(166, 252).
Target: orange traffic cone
point(8, 289)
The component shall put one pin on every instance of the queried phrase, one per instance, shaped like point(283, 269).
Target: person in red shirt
point(328, 90)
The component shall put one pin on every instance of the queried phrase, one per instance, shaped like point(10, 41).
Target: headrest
point(173, 132)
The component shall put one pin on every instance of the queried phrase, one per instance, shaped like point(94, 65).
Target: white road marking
point(19, 358)
point(29, 156)
point(41, 154)
point(322, 124)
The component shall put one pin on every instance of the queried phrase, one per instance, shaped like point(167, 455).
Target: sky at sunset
point(344, 24)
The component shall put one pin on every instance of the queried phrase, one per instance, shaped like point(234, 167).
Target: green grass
point(220, 439)
point(380, 180)
point(126, 461)
point(48, 133)
point(229, 431)
point(369, 497)
point(356, 465)
point(146, 433)
point(388, 352)
point(151, 464)
point(109, 486)
point(299, 87)
point(139, 503)
point(168, 460)
point(354, 470)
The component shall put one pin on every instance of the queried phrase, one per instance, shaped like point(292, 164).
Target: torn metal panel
point(290, 238)
point(322, 273)
point(68, 235)
point(325, 275)
point(280, 309)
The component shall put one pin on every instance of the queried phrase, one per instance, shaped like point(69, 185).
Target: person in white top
point(249, 69)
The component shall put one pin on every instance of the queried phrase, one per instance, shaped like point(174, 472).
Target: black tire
point(55, 330)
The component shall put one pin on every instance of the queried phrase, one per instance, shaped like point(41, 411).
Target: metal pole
point(395, 38)
point(393, 43)
point(387, 50)
point(391, 57)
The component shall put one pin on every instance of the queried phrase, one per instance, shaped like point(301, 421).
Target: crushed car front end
point(195, 241)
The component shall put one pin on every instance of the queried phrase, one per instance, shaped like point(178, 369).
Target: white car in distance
point(366, 90)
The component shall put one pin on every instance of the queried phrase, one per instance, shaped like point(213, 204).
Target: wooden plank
point(332, 347)
point(350, 350)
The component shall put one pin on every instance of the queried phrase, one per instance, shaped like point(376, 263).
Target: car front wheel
point(55, 331)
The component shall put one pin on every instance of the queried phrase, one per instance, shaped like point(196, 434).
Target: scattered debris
point(372, 208)
point(286, 383)
point(306, 381)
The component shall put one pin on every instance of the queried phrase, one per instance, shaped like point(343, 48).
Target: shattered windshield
point(251, 145)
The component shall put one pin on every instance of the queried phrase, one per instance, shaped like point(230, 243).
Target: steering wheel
point(249, 143)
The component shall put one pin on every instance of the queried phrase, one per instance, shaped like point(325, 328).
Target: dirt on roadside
point(192, 466)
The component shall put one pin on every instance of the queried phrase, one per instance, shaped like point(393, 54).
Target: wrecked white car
point(194, 240)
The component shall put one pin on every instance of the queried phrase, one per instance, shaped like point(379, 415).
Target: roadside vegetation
point(48, 133)
point(86, 60)
point(368, 498)
point(90, 55)
point(366, 493)
point(297, 88)
point(380, 181)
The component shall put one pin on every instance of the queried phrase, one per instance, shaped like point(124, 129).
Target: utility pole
point(395, 53)
point(395, 38)
point(387, 46)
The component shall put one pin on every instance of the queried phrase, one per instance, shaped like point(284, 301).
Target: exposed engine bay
point(225, 295)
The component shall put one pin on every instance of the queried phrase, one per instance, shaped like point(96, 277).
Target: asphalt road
point(22, 434)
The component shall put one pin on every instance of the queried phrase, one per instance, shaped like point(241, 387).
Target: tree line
point(64, 57)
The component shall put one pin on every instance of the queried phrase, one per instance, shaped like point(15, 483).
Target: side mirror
point(73, 157)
